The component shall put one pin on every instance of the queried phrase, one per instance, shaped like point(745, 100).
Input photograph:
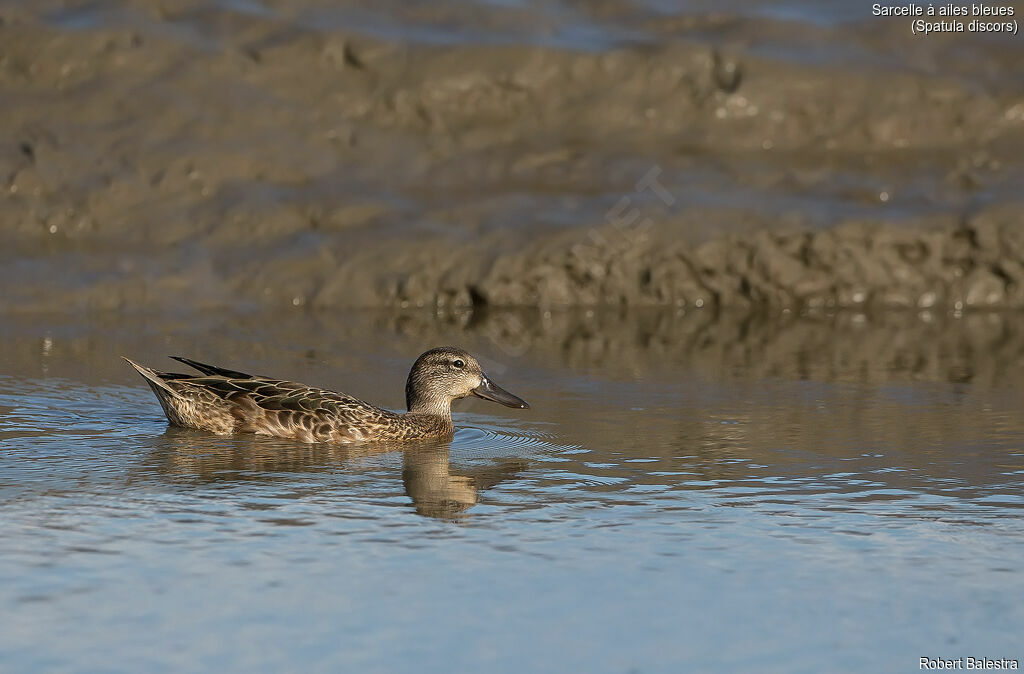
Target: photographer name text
point(983, 664)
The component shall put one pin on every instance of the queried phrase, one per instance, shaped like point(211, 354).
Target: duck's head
point(447, 373)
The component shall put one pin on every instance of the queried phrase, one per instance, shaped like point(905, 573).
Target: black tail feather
point(212, 370)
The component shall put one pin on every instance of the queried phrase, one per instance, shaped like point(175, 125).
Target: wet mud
point(291, 154)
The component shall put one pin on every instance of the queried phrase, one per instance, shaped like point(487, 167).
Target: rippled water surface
point(686, 494)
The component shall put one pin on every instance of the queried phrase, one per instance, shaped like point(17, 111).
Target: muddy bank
point(970, 266)
point(201, 155)
point(976, 265)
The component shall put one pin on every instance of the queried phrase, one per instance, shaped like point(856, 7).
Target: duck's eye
point(459, 363)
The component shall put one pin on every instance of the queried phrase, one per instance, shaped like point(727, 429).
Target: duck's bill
point(488, 390)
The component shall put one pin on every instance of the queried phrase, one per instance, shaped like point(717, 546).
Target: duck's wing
point(289, 409)
point(227, 401)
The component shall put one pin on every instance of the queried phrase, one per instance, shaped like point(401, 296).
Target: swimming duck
point(227, 401)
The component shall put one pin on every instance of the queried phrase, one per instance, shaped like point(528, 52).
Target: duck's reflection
point(428, 480)
point(437, 492)
point(185, 455)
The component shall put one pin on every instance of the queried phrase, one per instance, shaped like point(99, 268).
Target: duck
point(227, 402)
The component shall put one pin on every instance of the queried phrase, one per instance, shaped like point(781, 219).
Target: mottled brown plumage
point(227, 401)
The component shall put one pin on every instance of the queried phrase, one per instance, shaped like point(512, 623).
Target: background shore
point(200, 155)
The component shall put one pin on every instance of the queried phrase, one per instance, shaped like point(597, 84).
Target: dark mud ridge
point(977, 265)
point(972, 266)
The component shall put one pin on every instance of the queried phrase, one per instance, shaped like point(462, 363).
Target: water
point(774, 507)
point(559, 24)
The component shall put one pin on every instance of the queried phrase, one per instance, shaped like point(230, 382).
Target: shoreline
point(209, 157)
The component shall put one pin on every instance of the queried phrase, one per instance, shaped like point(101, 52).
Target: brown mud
point(195, 155)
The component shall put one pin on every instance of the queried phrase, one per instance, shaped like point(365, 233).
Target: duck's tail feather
point(211, 369)
point(152, 376)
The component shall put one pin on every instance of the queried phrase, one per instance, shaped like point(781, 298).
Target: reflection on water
point(983, 349)
point(759, 469)
point(189, 457)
